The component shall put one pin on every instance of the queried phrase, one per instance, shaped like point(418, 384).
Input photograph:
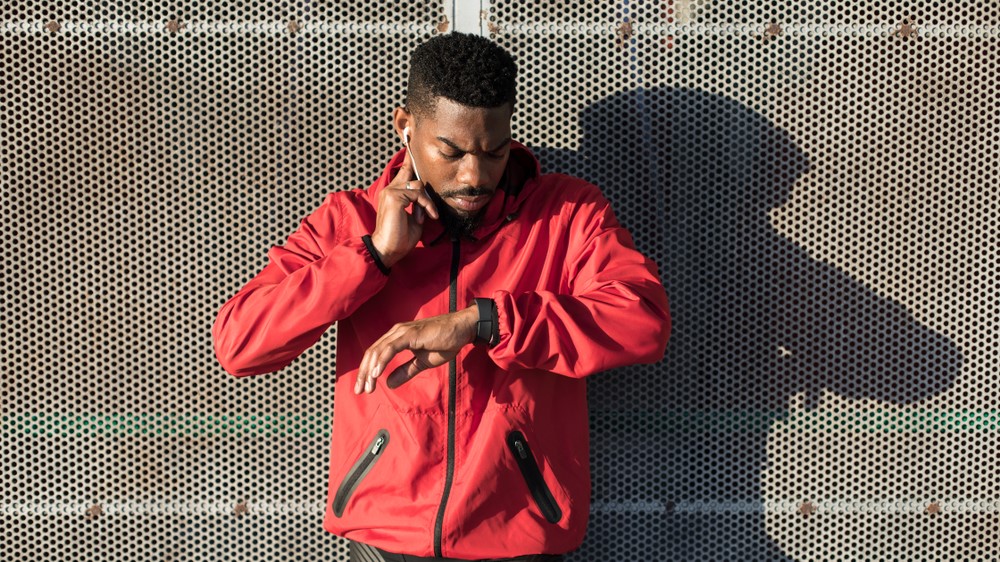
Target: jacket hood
point(522, 168)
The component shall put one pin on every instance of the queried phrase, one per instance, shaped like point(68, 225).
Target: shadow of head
point(693, 176)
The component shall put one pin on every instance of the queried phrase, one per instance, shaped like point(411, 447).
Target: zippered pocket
point(533, 476)
point(359, 471)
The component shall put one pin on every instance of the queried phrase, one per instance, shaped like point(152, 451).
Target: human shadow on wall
point(678, 448)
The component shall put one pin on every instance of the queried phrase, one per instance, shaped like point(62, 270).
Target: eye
point(494, 156)
point(447, 156)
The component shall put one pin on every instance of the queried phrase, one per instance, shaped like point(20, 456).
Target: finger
point(414, 192)
point(421, 362)
point(427, 204)
point(405, 172)
point(403, 373)
point(384, 356)
point(359, 383)
point(364, 369)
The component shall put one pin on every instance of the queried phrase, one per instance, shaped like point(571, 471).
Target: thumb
point(422, 360)
point(405, 169)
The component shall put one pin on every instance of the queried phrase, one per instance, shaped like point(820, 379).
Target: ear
point(402, 122)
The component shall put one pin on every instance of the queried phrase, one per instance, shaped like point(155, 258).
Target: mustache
point(467, 191)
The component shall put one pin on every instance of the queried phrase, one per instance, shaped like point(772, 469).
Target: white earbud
point(406, 143)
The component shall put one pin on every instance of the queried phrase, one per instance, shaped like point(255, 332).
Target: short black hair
point(467, 69)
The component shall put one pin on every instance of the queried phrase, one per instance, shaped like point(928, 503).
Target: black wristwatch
point(488, 325)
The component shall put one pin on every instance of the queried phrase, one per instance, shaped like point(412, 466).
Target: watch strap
point(488, 325)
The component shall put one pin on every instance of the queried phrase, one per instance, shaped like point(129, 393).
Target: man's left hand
point(434, 341)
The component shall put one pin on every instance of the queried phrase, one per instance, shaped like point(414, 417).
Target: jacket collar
point(522, 168)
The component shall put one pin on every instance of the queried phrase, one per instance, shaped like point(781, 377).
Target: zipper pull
point(521, 451)
point(378, 444)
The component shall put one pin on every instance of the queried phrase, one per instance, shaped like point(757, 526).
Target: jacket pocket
point(533, 476)
point(359, 471)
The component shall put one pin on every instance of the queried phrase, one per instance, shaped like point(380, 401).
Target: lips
point(470, 203)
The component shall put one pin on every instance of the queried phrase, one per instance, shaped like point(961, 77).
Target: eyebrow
point(458, 148)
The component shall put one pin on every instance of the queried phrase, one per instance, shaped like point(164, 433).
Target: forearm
point(613, 312)
point(288, 306)
point(578, 335)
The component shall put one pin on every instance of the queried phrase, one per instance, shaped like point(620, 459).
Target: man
point(473, 295)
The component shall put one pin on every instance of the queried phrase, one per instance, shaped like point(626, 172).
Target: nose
point(473, 171)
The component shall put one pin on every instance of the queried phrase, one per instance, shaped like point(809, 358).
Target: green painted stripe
point(746, 421)
point(165, 424)
point(751, 421)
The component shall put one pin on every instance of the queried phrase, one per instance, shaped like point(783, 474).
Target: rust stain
point(807, 509)
point(173, 26)
point(623, 33)
point(52, 27)
point(94, 511)
point(494, 28)
point(442, 25)
point(240, 509)
point(772, 31)
point(293, 26)
point(934, 508)
point(907, 30)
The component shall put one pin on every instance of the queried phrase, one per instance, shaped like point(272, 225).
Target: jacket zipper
point(452, 383)
point(359, 471)
point(533, 477)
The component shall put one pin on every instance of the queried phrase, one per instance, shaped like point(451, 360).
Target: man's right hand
point(397, 230)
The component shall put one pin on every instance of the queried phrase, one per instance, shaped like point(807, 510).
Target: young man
point(473, 295)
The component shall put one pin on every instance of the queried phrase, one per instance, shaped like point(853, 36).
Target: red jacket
point(487, 456)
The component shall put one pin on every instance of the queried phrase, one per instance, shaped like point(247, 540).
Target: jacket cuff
point(367, 239)
point(503, 326)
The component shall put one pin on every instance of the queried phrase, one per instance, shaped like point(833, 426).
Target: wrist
point(388, 259)
point(487, 322)
point(468, 317)
point(376, 255)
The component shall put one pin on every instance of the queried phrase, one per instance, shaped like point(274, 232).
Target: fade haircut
point(467, 69)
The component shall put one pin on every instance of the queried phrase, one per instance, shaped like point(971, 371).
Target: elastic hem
point(367, 239)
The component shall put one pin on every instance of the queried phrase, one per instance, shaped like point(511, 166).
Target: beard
point(456, 222)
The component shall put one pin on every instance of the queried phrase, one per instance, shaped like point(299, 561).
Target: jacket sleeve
point(318, 277)
point(614, 314)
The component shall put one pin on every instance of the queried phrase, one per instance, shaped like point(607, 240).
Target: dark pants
point(364, 553)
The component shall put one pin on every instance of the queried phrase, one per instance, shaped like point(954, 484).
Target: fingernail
point(370, 386)
point(376, 371)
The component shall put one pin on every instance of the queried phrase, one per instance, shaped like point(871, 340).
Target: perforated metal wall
point(818, 182)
